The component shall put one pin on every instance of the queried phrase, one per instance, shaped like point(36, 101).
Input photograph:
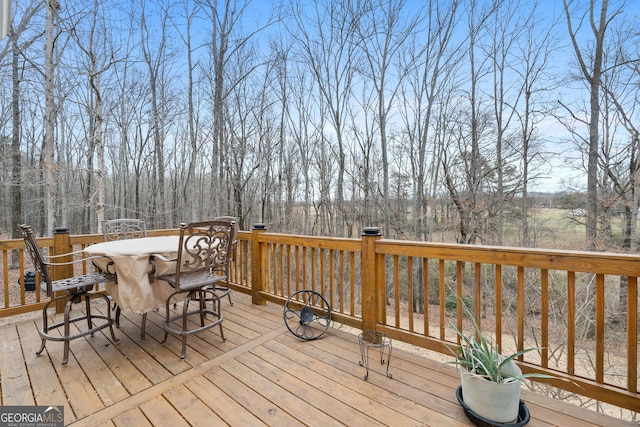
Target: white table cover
point(134, 292)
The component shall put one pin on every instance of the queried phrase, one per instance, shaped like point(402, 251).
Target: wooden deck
point(262, 375)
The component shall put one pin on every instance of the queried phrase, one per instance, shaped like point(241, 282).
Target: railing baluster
point(599, 328)
point(521, 310)
point(632, 334)
point(305, 281)
point(5, 271)
point(299, 268)
point(571, 322)
point(352, 283)
point(425, 292)
point(544, 317)
point(341, 282)
point(396, 289)
point(442, 293)
point(477, 289)
point(498, 307)
point(459, 295)
point(410, 307)
point(288, 270)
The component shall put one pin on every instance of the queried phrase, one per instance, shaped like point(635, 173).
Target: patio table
point(135, 291)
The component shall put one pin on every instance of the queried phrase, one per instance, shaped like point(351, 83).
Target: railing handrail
point(555, 259)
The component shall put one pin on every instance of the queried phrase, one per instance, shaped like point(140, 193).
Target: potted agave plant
point(490, 381)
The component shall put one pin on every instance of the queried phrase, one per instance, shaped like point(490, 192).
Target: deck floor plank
point(172, 365)
point(191, 407)
point(103, 365)
point(42, 373)
point(322, 393)
point(382, 397)
point(13, 370)
point(270, 404)
point(132, 417)
point(138, 354)
point(81, 394)
point(222, 404)
point(408, 381)
point(261, 375)
point(162, 413)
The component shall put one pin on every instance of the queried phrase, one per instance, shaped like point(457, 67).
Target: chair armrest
point(152, 262)
point(82, 260)
point(162, 258)
point(74, 253)
point(75, 261)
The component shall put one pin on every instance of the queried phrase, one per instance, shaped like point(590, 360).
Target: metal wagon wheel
point(307, 314)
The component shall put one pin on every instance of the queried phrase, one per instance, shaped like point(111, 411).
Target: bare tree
point(228, 45)
point(384, 27)
point(505, 28)
point(48, 159)
point(622, 91)
point(94, 41)
point(466, 167)
point(327, 42)
point(157, 54)
point(190, 15)
point(423, 92)
point(590, 63)
point(532, 61)
point(18, 48)
point(304, 135)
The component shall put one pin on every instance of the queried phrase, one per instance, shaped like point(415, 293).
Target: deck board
point(261, 375)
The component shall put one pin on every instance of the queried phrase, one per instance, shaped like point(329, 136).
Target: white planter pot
point(498, 402)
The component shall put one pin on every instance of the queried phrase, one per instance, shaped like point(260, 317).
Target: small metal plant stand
point(307, 314)
point(374, 339)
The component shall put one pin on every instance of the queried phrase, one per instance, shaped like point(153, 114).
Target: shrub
point(451, 302)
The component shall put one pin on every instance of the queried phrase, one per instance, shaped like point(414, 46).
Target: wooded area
point(321, 117)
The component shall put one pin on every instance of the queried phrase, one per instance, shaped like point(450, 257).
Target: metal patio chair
point(72, 290)
point(203, 254)
point(221, 289)
point(123, 229)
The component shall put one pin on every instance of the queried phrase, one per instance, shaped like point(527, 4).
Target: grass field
point(554, 228)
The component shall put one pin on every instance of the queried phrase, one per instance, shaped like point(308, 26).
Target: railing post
point(257, 265)
point(372, 295)
point(61, 245)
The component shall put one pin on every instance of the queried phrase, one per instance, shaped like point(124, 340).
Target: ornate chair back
point(124, 228)
point(204, 247)
point(39, 263)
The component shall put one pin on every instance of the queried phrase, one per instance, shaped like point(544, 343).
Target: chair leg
point(67, 331)
point(217, 307)
point(226, 290)
point(202, 301)
point(45, 326)
point(143, 326)
point(87, 304)
point(222, 332)
point(167, 318)
point(111, 321)
point(185, 321)
point(118, 313)
point(183, 331)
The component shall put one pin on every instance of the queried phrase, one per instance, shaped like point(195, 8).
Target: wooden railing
point(579, 308)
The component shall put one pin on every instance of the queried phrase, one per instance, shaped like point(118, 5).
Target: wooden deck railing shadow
point(579, 308)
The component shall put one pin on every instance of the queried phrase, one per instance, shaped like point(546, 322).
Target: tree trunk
point(593, 75)
point(49, 168)
point(16, 167)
